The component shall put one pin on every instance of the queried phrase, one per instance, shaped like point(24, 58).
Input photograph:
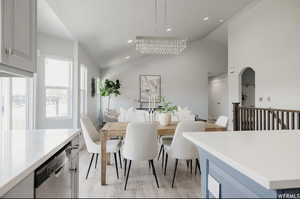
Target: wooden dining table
point(118, 129)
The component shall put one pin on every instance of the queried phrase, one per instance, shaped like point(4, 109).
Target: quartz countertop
point(21, 152)
point(269, 158)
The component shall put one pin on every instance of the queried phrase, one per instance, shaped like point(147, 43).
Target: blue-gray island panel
point(232, 183)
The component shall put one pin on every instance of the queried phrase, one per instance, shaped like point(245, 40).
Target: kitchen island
point(262, 164)
point(22, 152)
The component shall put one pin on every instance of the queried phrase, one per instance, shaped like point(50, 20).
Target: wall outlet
point(269, 99)
point(260, 99)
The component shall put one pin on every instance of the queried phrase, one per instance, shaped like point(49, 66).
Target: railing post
point(236, 118)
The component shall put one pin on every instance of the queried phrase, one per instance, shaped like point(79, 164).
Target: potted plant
point(110, 88)
point(166, 109)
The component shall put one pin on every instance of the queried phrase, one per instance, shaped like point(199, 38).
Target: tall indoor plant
point(166, 109)
point(110, 88)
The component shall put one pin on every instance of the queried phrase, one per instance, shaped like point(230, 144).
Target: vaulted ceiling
point(104, 27)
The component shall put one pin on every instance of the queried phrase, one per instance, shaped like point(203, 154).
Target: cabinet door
point(21, 24)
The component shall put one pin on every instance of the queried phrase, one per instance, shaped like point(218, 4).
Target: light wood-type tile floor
point(141, 182)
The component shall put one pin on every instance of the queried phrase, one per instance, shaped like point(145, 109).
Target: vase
point(165, 119)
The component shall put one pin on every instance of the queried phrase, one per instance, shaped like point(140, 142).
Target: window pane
point(98, 85)
point(18, 103)
point(58, 83)
point(82, 102)
point(83, 88)
point(57, 102)
point(83, 73)
point(57, 73)
point(4, 104)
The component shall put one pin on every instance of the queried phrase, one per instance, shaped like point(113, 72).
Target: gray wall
point(265, 37)
point(49, 45)
point(184, 77)
point(217, 96)
point(93, 71)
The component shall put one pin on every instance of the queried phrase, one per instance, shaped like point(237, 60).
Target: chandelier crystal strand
point(160, 45)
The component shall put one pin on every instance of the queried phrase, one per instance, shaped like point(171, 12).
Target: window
point(19, 103)
point(83, 89)
point(15, 111)
point(58, 88)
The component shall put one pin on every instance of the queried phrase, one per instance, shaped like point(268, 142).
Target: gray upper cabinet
point(18, 29)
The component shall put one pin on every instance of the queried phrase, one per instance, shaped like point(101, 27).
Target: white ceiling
point(49, 23)
point(103, 27)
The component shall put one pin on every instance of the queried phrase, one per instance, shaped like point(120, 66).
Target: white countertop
point(21, 152)
point(271, 159)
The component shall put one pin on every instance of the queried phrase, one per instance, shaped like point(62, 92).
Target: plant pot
point(165, 119)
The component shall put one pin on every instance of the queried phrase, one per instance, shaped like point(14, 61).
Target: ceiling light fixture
point(169, 29)
point(161, 45)
point(221, 20)
point(127, 57)
point(130, 41)
point(205, 18)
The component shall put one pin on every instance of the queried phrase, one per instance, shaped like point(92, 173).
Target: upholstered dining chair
point(182, 114)
point(181, 148)
point(92, 141)
point(222, 121)
point(140, 144)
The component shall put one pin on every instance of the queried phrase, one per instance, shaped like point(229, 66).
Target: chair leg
point(197, 165)
point(187, 164)
point(87, 175)
point(154, 173)
point(191, 166)
point(166, 163)
point(163, 158)
point(125, 166)
point(116, 163)
point(161, 148)
point(176, 163)
point(120, 159)
point(96, 161)
point(127, 175)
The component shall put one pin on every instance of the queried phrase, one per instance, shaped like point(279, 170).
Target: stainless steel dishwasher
point(58, 176)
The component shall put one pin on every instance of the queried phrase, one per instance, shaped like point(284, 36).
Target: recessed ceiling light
point(205, 18)
point(168, 29)
point(130, 41)
point(221, 20)
point(127, 57)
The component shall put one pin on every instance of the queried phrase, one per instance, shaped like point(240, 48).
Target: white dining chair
point(140, 144)
point(92, 141)
point(181, 148)
point(222, 121)
point(182, 114)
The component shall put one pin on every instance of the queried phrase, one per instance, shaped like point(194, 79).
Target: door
point(20, 23)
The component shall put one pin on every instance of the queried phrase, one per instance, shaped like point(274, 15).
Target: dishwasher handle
point(58, 171)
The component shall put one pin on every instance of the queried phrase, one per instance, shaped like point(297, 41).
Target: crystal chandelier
point(160, 45)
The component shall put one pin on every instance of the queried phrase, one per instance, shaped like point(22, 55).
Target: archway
point(247, 94)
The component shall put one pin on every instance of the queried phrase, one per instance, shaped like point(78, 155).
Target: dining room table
point(118, 129)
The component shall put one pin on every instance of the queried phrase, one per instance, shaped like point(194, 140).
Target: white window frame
point(70, 88)
point(83, 91)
